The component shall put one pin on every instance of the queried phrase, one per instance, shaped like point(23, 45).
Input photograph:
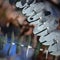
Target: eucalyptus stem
point(18, 50)
point(37, 50)
point(5, 40)
point(29, 40)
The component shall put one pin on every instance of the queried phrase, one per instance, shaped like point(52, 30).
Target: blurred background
point(19, 40)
